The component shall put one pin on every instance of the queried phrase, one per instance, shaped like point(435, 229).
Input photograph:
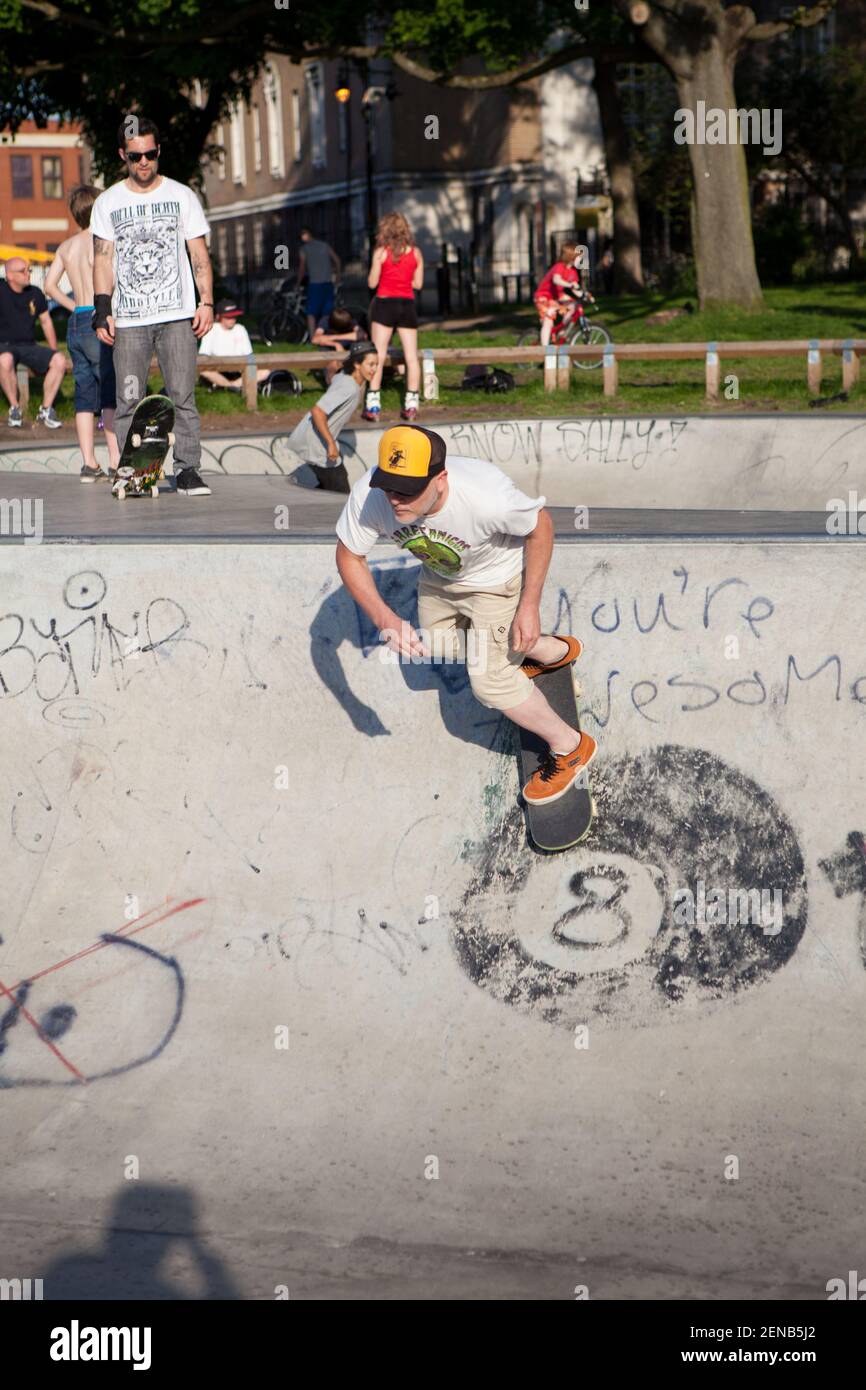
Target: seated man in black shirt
point(21, 304)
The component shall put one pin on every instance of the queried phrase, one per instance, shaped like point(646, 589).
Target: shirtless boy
point(92, 365)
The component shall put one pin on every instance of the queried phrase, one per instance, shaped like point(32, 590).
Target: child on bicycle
point(561, 284)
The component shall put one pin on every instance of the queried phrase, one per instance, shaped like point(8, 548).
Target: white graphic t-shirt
point(152, 275)
point(475, 541)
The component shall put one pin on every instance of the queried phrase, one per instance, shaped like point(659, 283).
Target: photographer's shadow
point(148, 1226)
point(340, 620)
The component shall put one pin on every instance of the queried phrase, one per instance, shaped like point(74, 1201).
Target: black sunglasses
point(134, 156)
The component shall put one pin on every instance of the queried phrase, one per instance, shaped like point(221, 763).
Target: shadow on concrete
point(340, 620)
point(149, 1227)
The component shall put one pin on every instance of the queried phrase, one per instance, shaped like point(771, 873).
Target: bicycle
point(286, 320)
point(574, 329)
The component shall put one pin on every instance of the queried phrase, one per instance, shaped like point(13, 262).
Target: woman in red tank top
point(396, 272)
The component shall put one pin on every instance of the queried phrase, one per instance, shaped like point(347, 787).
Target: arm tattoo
point(101, 247)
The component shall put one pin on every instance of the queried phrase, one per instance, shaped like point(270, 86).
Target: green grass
point(829, 309)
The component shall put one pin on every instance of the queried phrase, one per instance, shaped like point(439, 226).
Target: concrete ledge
point(766, 462)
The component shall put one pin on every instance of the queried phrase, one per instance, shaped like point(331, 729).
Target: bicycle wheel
point(270, 327)
point(596, 336)
point(294, 329)
point(532, 338)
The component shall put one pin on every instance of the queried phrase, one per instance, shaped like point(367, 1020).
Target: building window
point(221, 157)
point(81, 168)
point(257, 138)
point(296, 127)
point(52, 176)
point(316, 99)
point(274, 113)
point(53, 246)
point(240, 245)
point(221, 249)
point(259, 244)
point(236, 135)
point(22, 176)
point(342, 125)
point(197, 94)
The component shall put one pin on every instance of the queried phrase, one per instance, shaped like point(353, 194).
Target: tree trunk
point(627, 264)
point(723, 246)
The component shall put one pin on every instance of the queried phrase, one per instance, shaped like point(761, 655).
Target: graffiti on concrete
point(55, 656)
point(846, 872)
point(39, 1014)
point(594, 935)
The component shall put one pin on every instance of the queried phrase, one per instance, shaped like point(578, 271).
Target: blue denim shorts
point(320, 298)
point(92, 364)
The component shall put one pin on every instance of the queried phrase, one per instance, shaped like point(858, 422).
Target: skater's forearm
point(201, 269)
point(536, 557)
point(320, 424)
point(355, 574)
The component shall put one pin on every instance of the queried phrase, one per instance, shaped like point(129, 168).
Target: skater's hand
point(202, 320)
point(402, 638)
point(106, 335)
point(526, 627)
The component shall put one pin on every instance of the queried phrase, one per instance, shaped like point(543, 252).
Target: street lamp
point(369, 101)
point(343, 94)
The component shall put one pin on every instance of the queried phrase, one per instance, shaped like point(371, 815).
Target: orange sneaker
point(537, 668)
point(558, 771)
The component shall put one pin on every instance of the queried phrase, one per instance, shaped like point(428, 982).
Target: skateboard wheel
point(154, 492)
point(594, 807)
point(171, 439)
point(136, 441)
point(121, 494)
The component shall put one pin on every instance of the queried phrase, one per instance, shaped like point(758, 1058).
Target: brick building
point(38, 169)
point(487, 180)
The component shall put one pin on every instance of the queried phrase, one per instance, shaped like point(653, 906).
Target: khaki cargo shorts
point(459, 624)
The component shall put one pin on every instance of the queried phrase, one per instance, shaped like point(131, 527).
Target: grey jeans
point(176, 351)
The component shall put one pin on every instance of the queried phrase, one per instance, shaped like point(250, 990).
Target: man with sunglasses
point(143, 290)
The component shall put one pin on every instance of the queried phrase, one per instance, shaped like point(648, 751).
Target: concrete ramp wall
point(771, 462)
point(228, 821)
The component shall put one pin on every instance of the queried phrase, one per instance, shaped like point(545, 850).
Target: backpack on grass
point(281, 382)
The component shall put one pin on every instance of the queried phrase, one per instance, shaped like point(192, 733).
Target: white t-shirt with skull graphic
point(152, 276)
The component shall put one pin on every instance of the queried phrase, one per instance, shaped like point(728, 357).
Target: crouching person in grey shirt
point(315, 439)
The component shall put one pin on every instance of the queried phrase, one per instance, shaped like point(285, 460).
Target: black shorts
point(37, 358)
point(394, 313)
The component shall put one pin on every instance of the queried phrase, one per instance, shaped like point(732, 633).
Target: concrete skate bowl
point(772, 462)
point(272, 925)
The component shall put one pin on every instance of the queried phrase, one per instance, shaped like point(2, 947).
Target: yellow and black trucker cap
point(409, 457)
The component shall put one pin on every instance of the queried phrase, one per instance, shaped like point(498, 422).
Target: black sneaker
point(191, 484)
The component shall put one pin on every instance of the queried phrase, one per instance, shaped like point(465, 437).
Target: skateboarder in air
point(485, 549)
point(142, 229)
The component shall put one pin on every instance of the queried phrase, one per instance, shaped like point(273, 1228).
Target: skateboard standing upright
point(149, 440)
point(568, 820)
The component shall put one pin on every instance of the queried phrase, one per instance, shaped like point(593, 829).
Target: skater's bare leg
point(536, 715)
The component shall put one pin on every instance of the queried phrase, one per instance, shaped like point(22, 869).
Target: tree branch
point(802, 19)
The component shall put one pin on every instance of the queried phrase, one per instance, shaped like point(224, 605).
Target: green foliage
point(780, 240)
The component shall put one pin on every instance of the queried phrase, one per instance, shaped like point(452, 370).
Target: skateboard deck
point(568, 820)
point(149, 440)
